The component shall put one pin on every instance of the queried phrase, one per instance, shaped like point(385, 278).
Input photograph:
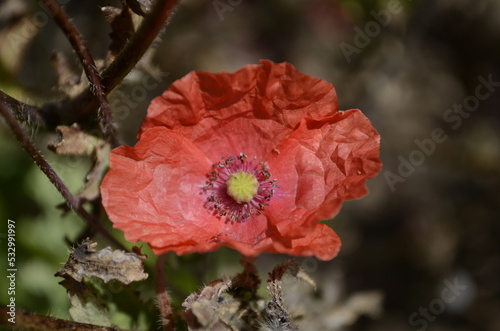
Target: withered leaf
point(68, 82)
point(104, 264)
point(290, 267)
point(212, 308)
point(71, 140)
point(122, 28)
point(225, 304)
point(276, 315)
point(140, 7)
point(248, 279)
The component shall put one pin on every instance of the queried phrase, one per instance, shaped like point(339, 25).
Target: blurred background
point(421, 251)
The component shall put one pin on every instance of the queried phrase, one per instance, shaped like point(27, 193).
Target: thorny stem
point(79, 107)
point(96, 86)
point(75, 110)
point(40, 161)
point(124, 62)
point(33, 322)
point(166, 315)
point(24, 113)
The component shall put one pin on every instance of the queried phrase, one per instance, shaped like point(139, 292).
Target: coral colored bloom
point(252, 160)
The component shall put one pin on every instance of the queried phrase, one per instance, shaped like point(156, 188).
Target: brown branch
point(76, 40)
point(166, 315)
point(40, 161)
point(33, 322)
point(31, 115)
point(77, 108)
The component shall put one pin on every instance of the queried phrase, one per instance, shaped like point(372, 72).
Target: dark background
point(432, 217)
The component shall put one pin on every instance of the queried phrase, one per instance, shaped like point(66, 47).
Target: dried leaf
point(211, 308)
point(71, 140)
point(140, 7)
point(225, 304)
point(291, 267)
point(68, 82)
point(86, 305)
point(90, 190)
point(104, 264)
point(248, 279)
point(122, 28)
point(277, 316)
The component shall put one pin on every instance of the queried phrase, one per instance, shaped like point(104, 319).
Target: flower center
point(242, 186)
point(239, 187)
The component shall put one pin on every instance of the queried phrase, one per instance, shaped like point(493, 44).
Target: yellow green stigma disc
point(242, 186)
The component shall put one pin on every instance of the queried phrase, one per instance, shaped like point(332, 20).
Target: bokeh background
point(431, 220)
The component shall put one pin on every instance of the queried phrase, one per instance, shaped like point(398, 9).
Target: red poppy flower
point(252, 160)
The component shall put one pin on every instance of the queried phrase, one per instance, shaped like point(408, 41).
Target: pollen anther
point(239, 189)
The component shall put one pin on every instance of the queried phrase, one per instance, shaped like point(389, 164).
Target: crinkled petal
point(253, 137)
point(153, 193)
point(348, 147)
point(277, 92)
point(319, 241)
point(300, 187)
point(286, 95)
point(321, 164)
point(322, 242)
point(201, 96)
